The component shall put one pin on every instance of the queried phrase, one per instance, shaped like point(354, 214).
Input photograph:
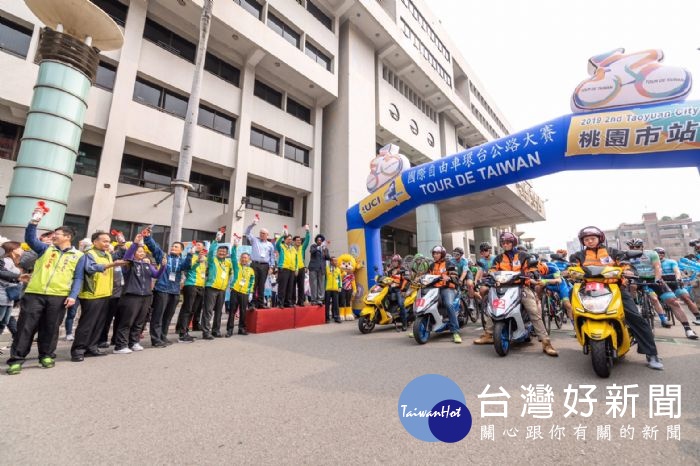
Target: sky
point(529, 56)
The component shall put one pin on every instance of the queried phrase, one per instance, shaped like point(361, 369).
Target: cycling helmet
point(420, 264)
point(591, 231)
point(458, 250)
point(485, 247)
point(635, 243)
point(441, 250)
point(396, 258)
point(521, 247)
point(508, 236)
point(660, 250)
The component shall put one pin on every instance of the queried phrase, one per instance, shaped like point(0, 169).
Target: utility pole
point(181, 183)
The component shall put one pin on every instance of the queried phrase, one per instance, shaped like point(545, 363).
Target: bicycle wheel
point(647, 312)
point(547, 314)
point(559, 313)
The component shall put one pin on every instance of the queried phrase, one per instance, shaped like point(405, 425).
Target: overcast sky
point(530, 56)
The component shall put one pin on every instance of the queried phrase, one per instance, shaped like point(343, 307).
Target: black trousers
point(131, 317)
point(285, 288)
point(239, 301)
point(93, 313)
point(332, 304)
point(260, 270)
point(164, 305)
point(345, 298)
point(213, 305)
point(192, 301)
point(112, 317)
point(299, 286)
point(38, 313)
point(638, 326)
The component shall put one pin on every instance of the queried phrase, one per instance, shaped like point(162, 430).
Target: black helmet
point(485, 247)
point(458, 250)
point(635, 243)
point(660, 251)
point(591, 231)
point(441, 250)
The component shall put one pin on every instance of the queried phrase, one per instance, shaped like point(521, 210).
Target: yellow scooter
point(599, 317)
point(381, 308)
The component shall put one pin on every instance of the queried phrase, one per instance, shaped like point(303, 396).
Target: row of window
point(271, 143)
point(14, 38)
point(484, 122)
point(269, 202)
point(408, 92)
point(171, 102)
point(427, 54)
point(293, 37)
point(274, 97)
point(481, 99)
point(426, 27)
point(115, 9)
point(251, 6)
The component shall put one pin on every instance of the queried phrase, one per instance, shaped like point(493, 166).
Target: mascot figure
point(347, 265)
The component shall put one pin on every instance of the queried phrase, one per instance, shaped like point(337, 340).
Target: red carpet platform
point(270, 320)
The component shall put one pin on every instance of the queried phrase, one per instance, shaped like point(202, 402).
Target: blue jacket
point(176, 265)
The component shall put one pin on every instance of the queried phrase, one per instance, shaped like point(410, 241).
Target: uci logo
point(369, 205)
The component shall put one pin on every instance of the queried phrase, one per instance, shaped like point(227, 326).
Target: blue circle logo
point(432, 408)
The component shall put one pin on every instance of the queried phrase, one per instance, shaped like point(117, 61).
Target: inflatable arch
point(657, 135)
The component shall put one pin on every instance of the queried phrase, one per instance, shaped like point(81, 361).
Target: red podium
point(309, 315)
point(270, 320)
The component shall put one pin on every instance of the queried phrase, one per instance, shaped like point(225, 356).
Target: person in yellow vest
point(193, 293)
point(300, 246)
point(287, 269)
point(218, 277)
point(242, 286)
point(53, 287)
point(94, 297)
point(334, 278)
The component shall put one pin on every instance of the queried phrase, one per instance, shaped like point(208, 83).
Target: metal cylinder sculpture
point(68, 56)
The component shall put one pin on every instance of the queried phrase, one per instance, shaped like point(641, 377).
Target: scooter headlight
point(612, 274)
point(596, 304)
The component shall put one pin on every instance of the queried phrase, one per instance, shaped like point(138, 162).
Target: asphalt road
point(325, 395)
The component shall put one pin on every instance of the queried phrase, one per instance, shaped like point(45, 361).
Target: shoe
point(217, 335)
point(328, 321)
point(456, 338)
point(122, 351)
point(410, 334)
point(14, 369)
point(185, 339)
point(338, 321)
point(136, 347)
point(103, 345)
point(664, 322)
point(697, 320)
point(69, 337)
point(48, 362)
point(207, 336)
point(77, 358)
point(159, 344)
point(196, 328)
point(242, 331)
point(403, 327)
point(229, 334)
point(167, 342)
point(485, 339)
point(94, 354)
point(549, 349)
point(654, 363)
point(690, 334)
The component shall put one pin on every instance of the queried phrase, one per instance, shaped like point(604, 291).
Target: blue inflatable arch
point(655, 136)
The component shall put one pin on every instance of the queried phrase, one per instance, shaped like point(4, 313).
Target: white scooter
point(511, 323)
point(430, 317)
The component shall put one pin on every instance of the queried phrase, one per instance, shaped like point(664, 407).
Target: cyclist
point(671, 274)
point(513, 260)
point(400, 283)
point(594, 251)
point(648, 268)
point(448, 292)
point(466, 278)
point(485, 260)
point(556, 283)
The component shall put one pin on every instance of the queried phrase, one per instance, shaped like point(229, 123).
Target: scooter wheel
point(365, 324)
point(421, 329)
point(501, 337)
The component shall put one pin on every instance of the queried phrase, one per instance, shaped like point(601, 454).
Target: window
point(88, 161)
point(319, 15)
point(164, 99)
point(196, 235)
point(105, 76)
point(273, 203)
point(251, 6)
point(114, 8)
point(264, 140)
point(220, 68)
point(14, 38)
point(10, 137)
point(160, 233)
point(296, 154)
point(157, 175)
point(281, 28)
point(168, 40)
point(318, 56)
point(209, 188)
point(216, 120)
point(268, 94)
point(79, 223)
point(298, 110)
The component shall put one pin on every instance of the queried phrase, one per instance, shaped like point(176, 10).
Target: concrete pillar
point(428, 228)
point(313, 216)
point(115, 137)
point(483, 235)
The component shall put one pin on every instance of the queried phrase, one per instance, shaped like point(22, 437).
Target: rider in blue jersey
point(648, 269)
point(554, 282)
point(671, 274)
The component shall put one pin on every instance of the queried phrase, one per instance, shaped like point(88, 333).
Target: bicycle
point(551, 310)
point(644, 303)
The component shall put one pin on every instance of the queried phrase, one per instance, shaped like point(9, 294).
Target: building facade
point(296, 97)
point(672, 234)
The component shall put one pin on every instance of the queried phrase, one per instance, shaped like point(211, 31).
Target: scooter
point(382, 308)
point(599, 317)
point(511, 322)
point(430, 316)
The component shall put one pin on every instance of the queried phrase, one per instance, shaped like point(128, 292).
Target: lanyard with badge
point(172, 276)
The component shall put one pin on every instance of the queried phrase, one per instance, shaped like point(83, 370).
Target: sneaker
point(103, 344)
point(485, 339)
point(159, 344)
point(207, 337)
point(410, 334)
point(654, 363)
point(242, 331)
point(47, 362)
point(690, 334)
point(136, 347)
point(664, 322)
point(14, 369)
point(697, 320)
point(69, 337)
point(185, 339)
point(456, 338)
point(122, 351)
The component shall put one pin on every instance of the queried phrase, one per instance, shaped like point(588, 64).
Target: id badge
point(171, 276)
point(224, 275)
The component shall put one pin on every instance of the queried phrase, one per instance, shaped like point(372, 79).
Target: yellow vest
point(244, 278)
point(99, 284)
point(222, 276)
point(54, 272)
point(333, 278)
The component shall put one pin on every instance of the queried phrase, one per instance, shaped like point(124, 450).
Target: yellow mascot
point(347, 265)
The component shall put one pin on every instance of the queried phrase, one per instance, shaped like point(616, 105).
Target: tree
point(682, 216)
point(181, 183)
point(665, 218)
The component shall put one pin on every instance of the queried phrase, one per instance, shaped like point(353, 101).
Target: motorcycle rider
point(672, 275)
point(648, 268)
point(448, 287)
point(519, 261)
point(400, 283)
point(464, 272)
point(594, 251)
